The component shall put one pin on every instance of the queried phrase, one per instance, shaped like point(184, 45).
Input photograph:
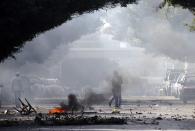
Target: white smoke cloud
point(43, 52)
point(136, 37)
point(159, 31)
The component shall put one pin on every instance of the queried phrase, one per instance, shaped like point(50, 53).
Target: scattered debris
point(139, 119)
point(7, 112)
point(154, 122)
point(77, 120)
point(25, 109)
point(139, 113)
point(159, 118)
point(38, 118)
point(115, 111)
point(177, 119)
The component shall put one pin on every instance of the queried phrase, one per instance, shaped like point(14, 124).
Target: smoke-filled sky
point(137, 39)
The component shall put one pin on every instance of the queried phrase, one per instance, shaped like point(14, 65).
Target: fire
point(57, 110)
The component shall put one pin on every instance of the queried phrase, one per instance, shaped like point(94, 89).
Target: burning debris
point(73, 114)
point(57, 110)
point(73, 105)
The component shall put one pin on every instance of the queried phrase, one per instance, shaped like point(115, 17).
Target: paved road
point(144, 113)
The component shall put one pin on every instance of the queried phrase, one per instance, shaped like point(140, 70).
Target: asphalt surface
point(142, 113)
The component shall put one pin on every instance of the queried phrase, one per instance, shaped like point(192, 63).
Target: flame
point(57, 110)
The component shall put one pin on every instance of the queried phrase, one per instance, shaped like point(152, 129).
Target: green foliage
point(189, 4)
point(192, 26)
point(169, 2)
